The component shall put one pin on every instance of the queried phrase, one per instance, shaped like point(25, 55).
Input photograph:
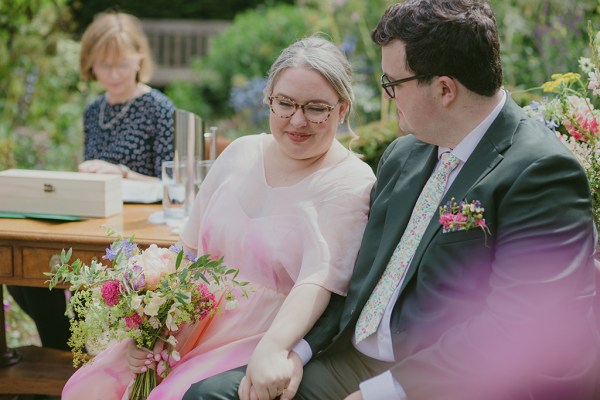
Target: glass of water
point(202, 168)
point(174, 178)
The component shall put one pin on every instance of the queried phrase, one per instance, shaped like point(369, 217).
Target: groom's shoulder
point(399, 148)
point(533, 141)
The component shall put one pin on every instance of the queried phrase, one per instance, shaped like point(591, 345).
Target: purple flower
point(135, 277)
point(176, 248)
point(125, 246)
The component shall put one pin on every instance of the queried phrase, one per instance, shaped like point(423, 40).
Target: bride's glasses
point(314, 112)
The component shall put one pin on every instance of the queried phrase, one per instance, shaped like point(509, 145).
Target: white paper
point(137, 191)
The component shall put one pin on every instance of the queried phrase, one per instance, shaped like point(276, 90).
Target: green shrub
point(244, 51)
point(41, 105)
point(373, 140)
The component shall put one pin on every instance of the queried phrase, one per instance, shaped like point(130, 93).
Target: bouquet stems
point(143, 385)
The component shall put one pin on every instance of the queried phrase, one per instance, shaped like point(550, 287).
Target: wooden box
point(58, 192)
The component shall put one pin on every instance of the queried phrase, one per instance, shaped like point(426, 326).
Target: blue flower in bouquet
point(124, 247)
point(145, 295)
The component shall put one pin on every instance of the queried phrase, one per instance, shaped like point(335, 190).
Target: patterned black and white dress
point(138, 135)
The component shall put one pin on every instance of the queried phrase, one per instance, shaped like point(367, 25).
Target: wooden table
point(26, 248)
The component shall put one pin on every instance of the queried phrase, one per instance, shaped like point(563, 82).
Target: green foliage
point(20, 329)
point(541, 37)
point(373, 139)
point(40, 103)
point(243, 51)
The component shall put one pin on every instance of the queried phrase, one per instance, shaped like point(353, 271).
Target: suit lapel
point(409, 181)
point(422, 158)
point(486, 156)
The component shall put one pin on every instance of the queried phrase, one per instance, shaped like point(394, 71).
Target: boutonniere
point(463, 216)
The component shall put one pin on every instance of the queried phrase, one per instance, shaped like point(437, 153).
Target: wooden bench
point(40, 371)
point(176, 43)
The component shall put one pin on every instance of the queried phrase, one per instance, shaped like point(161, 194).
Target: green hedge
point(373, 140)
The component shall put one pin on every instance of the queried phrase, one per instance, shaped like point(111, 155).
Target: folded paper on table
point(136, 191)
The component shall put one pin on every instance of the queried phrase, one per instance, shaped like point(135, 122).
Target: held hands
point(271, 373)
point(295, 379)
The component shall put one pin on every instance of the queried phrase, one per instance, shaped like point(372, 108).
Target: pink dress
point(279, 237)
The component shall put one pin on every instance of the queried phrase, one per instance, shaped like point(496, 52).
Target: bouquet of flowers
point(573, 115)
point(145, 295)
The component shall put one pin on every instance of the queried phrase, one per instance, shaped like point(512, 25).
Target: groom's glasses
point(388, 85)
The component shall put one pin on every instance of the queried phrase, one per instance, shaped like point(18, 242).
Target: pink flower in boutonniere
point(462, 216)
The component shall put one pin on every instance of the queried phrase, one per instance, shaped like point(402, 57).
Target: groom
point(490, 301)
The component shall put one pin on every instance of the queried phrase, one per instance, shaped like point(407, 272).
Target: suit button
point(352, 312)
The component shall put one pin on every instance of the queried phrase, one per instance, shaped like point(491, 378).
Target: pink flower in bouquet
point(133, 321)
point(155, 263)
point(206, 301)
point(581, 123)
point(111, 291)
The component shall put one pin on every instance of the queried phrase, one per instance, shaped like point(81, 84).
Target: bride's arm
point(270, 367)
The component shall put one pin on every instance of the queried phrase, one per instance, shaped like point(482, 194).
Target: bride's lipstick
point(298, 137)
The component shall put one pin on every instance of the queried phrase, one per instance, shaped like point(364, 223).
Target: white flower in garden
point(586, 65)
point(594, 83)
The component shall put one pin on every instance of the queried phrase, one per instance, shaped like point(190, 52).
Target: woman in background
point(129, 129)
point(128, 132)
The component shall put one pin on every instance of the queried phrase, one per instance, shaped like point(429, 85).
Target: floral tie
point(426, 205)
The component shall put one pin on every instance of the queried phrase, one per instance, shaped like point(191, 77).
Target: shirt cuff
point(303, 350)
point(382, 387)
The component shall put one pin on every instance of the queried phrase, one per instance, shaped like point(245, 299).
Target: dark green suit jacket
point(500, 316)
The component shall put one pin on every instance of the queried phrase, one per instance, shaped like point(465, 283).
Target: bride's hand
point(139, 360)
point(268, 374)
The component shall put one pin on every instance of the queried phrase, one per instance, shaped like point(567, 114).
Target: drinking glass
point(174, 178)
point(202, 168)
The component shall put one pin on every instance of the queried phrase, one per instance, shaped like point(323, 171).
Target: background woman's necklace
point(118, 116)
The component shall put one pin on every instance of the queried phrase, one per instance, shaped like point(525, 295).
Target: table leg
point(7, 356)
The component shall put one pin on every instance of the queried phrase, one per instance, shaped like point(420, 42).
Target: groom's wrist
point(303, 350)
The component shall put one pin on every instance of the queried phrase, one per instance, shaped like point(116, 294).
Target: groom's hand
point(295, 379)
point(354, 396)
point(267, 375)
